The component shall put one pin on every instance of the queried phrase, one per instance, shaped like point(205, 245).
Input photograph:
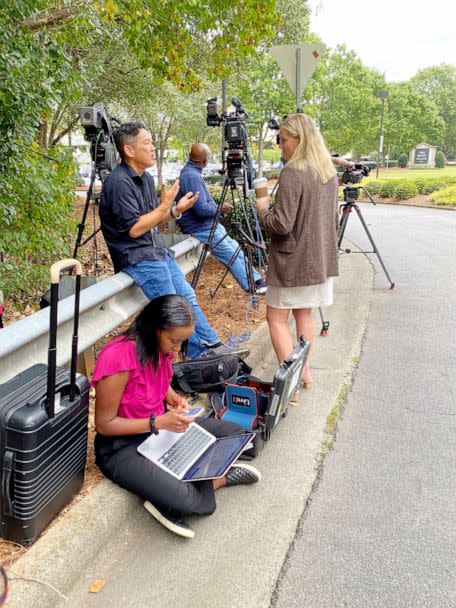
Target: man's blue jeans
point(224, 252)
point(161, 278)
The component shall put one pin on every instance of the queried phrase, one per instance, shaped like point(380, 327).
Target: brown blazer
point(303, 224)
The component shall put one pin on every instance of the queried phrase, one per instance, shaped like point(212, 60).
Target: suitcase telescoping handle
point(56, 270)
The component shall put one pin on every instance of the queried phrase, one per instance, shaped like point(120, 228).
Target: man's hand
point(187, 201)
point(167, 197)
point(227, 208)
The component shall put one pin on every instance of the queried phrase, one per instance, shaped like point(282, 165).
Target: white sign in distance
point(286, 56)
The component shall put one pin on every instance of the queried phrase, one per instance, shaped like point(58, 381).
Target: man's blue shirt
point(201, 215)
point(125, 197)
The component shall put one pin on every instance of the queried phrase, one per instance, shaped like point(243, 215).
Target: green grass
point(395, 173)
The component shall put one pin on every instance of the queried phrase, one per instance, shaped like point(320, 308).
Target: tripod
point(350, 198)
point(247, 242)
point(95, 196)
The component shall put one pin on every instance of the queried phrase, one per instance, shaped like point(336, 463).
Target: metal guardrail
point(103, 307)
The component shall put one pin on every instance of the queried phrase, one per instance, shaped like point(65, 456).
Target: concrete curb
point(64, 555)
point(87, 527)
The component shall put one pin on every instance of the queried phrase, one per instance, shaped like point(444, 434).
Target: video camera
point(98, 128)
point(353, 175)
point(234, 133)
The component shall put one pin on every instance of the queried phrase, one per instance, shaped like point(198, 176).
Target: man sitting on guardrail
point(130, 215)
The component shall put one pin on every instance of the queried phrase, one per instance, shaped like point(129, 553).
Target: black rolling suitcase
point(43, 441)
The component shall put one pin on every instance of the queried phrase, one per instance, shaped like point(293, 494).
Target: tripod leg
point(207, 245)
point(324, 324)
point(343, 223)
point(228, 268)
point(82, 225)
point(369, 236)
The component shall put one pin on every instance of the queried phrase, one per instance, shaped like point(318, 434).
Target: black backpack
point(209, 373)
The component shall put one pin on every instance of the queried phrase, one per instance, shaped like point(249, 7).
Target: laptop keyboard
point(181, 454)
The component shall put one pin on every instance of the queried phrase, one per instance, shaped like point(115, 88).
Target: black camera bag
point(208, 373)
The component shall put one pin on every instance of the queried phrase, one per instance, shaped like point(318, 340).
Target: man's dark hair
point(160, 313)
point(126, 134)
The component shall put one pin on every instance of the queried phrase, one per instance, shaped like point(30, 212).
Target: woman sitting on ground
point(132, 378)
point(303, 224)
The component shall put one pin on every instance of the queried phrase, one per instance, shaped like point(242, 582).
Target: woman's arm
point(281, 218)
point(109, 392)
point(175, 400)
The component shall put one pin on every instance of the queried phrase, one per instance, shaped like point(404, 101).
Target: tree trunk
point(42, 135)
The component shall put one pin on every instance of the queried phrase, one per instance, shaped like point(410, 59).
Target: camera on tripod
point(98, 129)
point(353, 175)
point(234, 133)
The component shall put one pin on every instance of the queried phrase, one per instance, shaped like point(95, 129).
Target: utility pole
point(383, 95)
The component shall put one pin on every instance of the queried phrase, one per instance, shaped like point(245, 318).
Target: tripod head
point(351, 194)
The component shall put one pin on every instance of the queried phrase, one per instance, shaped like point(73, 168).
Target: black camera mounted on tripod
point(98, 129)
point(353, 175)
point(234, 137)
point(99, 132)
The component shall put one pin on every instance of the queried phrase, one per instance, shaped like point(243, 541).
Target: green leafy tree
point(438, 84)
point(410, 118)
point(345, 102)
point(259, 83)
point(50, 50)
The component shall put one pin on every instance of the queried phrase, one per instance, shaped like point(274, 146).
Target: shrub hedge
point(386, 188)
point(405, 190)
point(402, 160)
point(372, 186)
point(446, 196)
point(440, 160)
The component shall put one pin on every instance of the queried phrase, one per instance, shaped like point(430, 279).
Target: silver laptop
point(194, 455)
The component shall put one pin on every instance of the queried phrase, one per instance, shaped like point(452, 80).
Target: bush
point(388, 187)
point(440, 160)
point(372, 185)
point(405, 190)
point(213, 179)
point(40, 229)
point(431, 185)
point(402, 161)
point(272, 174)
point(446, 196)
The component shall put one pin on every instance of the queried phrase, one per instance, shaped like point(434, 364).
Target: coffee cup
point(261, 187)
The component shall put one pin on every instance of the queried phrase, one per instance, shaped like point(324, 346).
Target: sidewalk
point(236, 555)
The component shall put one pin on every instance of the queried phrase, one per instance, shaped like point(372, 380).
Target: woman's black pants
point(120, 462)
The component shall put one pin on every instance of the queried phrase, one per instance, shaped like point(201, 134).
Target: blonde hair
point(311, 150)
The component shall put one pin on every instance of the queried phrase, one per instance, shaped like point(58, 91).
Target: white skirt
point(310, 296)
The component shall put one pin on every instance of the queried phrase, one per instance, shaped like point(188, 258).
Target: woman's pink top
point(145, 389)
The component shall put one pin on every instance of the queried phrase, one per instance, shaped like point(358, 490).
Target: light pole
point(383, 95)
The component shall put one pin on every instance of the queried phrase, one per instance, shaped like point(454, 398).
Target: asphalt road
point(379, 528)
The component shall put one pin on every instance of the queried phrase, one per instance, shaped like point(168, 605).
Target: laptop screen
point(217, 459)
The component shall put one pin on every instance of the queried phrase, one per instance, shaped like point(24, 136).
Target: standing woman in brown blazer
point(303, 225)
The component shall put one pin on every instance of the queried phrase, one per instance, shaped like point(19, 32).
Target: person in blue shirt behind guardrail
point(197, 220)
